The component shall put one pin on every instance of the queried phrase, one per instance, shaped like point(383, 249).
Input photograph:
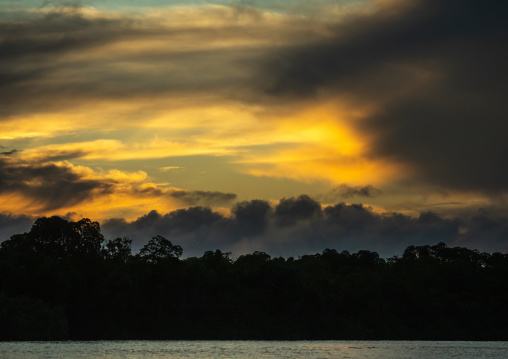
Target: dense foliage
point(62, 280)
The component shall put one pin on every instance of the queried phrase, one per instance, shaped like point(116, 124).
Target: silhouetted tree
point(88, 238)
point(159, 248)
point(17, 244)
point(61, 280)
point(118, 249)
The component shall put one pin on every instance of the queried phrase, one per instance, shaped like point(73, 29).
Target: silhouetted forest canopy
point(63, 280)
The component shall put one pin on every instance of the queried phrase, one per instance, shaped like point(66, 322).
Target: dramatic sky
point(285, 126)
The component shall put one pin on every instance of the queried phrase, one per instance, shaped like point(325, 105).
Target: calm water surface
point(252, 349)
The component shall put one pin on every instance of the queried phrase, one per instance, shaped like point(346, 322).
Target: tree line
point(63, 280)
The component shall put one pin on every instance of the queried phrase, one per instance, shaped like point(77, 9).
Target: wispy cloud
point(42, 186)
point(170, 168)
point(345, 191)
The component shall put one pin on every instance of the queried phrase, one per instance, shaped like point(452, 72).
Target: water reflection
point(251, 349)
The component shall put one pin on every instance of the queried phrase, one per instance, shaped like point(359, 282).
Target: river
point(252, 349)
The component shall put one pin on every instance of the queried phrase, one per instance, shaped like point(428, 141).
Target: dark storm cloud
point(436, 70)
point(252, 216)
point(47, 185)
point(492, 228)
point(199, 227)
point(13, 224)
point(291, 210)
point(255, 225)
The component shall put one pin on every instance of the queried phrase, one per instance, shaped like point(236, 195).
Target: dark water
point(252, 349)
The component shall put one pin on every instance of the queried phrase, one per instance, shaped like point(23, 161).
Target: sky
point(283, 126)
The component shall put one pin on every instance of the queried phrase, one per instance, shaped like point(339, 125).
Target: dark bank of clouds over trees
point(296, 226)
point(300, 225)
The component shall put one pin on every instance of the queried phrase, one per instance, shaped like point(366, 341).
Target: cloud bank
point(297, 226)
